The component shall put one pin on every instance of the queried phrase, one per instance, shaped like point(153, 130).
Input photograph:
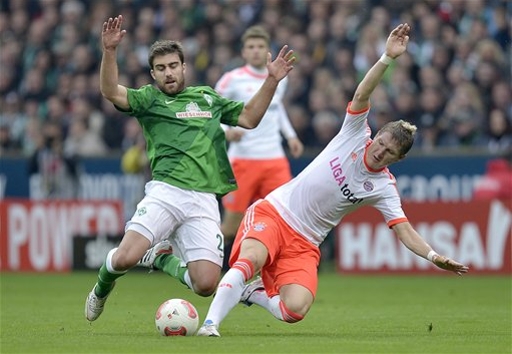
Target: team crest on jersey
point(353, 156)
point(368, 186)
point(192, 107)
point(208, 99)
point(259, 226)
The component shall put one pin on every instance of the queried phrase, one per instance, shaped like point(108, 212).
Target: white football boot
point(250, 288)
point(208, 329)
point(94, 305)
point(149, 257)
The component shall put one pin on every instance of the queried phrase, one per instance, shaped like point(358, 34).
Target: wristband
point(384, 59)
point(431, 255)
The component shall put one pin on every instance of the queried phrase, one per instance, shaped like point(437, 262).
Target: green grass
point(42, 313)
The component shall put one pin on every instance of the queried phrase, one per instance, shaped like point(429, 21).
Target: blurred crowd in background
point(454, 83)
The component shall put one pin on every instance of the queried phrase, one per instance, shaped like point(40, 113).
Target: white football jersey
point(337, 182)
point(264, 141)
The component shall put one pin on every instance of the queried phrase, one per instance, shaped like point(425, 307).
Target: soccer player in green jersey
point(186, 146)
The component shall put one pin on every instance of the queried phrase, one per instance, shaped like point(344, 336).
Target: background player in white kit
point(257, 156)
point(280, 234)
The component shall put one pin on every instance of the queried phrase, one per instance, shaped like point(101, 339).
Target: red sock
point(246, 267)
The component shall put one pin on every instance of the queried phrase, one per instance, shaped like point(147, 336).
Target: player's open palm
point(397, 40)
point(448, 264)
point(282, 64)
point(112, 33)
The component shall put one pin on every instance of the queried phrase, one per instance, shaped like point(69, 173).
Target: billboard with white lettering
point(38, 235)
point(475, 233)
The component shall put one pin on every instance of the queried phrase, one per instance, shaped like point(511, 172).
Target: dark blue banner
point(418, 178)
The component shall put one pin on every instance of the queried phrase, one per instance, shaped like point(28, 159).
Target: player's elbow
point(245, 122)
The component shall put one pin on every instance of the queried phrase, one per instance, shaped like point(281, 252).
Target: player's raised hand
point(282, 64)
point(448, 264)
point(112, 33)
point(397, 41)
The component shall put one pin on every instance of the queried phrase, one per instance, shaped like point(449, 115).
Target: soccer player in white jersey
point(279, 235)
point(257, 156)
point(186, 147)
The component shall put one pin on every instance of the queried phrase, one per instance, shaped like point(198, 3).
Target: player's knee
point(299, 308)
point(204, 277)
point(294, 311)
point(204, 287)
point(296, 299)
point(121, 260)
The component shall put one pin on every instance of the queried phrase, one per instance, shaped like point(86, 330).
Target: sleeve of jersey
point(139, 100)
point(355, 122)
point(230, 110)
point(391, 207)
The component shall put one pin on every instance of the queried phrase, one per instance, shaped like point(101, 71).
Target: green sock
point(171, 265)
point(106, 281)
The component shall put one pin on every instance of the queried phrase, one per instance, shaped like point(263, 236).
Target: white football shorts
point(189, 219)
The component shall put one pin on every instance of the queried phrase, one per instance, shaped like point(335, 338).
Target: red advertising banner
point(475, 233)
point(37, 235)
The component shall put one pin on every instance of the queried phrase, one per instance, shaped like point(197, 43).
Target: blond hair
point(402, 132)
point(256, 31)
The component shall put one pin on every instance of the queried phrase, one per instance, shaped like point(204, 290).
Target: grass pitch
point(43, 313)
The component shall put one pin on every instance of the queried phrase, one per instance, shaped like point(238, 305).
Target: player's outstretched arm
point(111, 36)
point(396, 45)
point(257, 106)
point(413, 241)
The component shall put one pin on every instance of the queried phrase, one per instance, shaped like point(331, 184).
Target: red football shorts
point(291, 258)
point(256, 179)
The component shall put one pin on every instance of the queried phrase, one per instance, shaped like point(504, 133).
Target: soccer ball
point(176, 317)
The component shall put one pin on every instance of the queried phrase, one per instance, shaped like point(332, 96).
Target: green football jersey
point(186, 145)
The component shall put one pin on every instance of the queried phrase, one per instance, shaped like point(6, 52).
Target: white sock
point(227, 296)
point(108, 263)
point(261, 298)
point(187, 279)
